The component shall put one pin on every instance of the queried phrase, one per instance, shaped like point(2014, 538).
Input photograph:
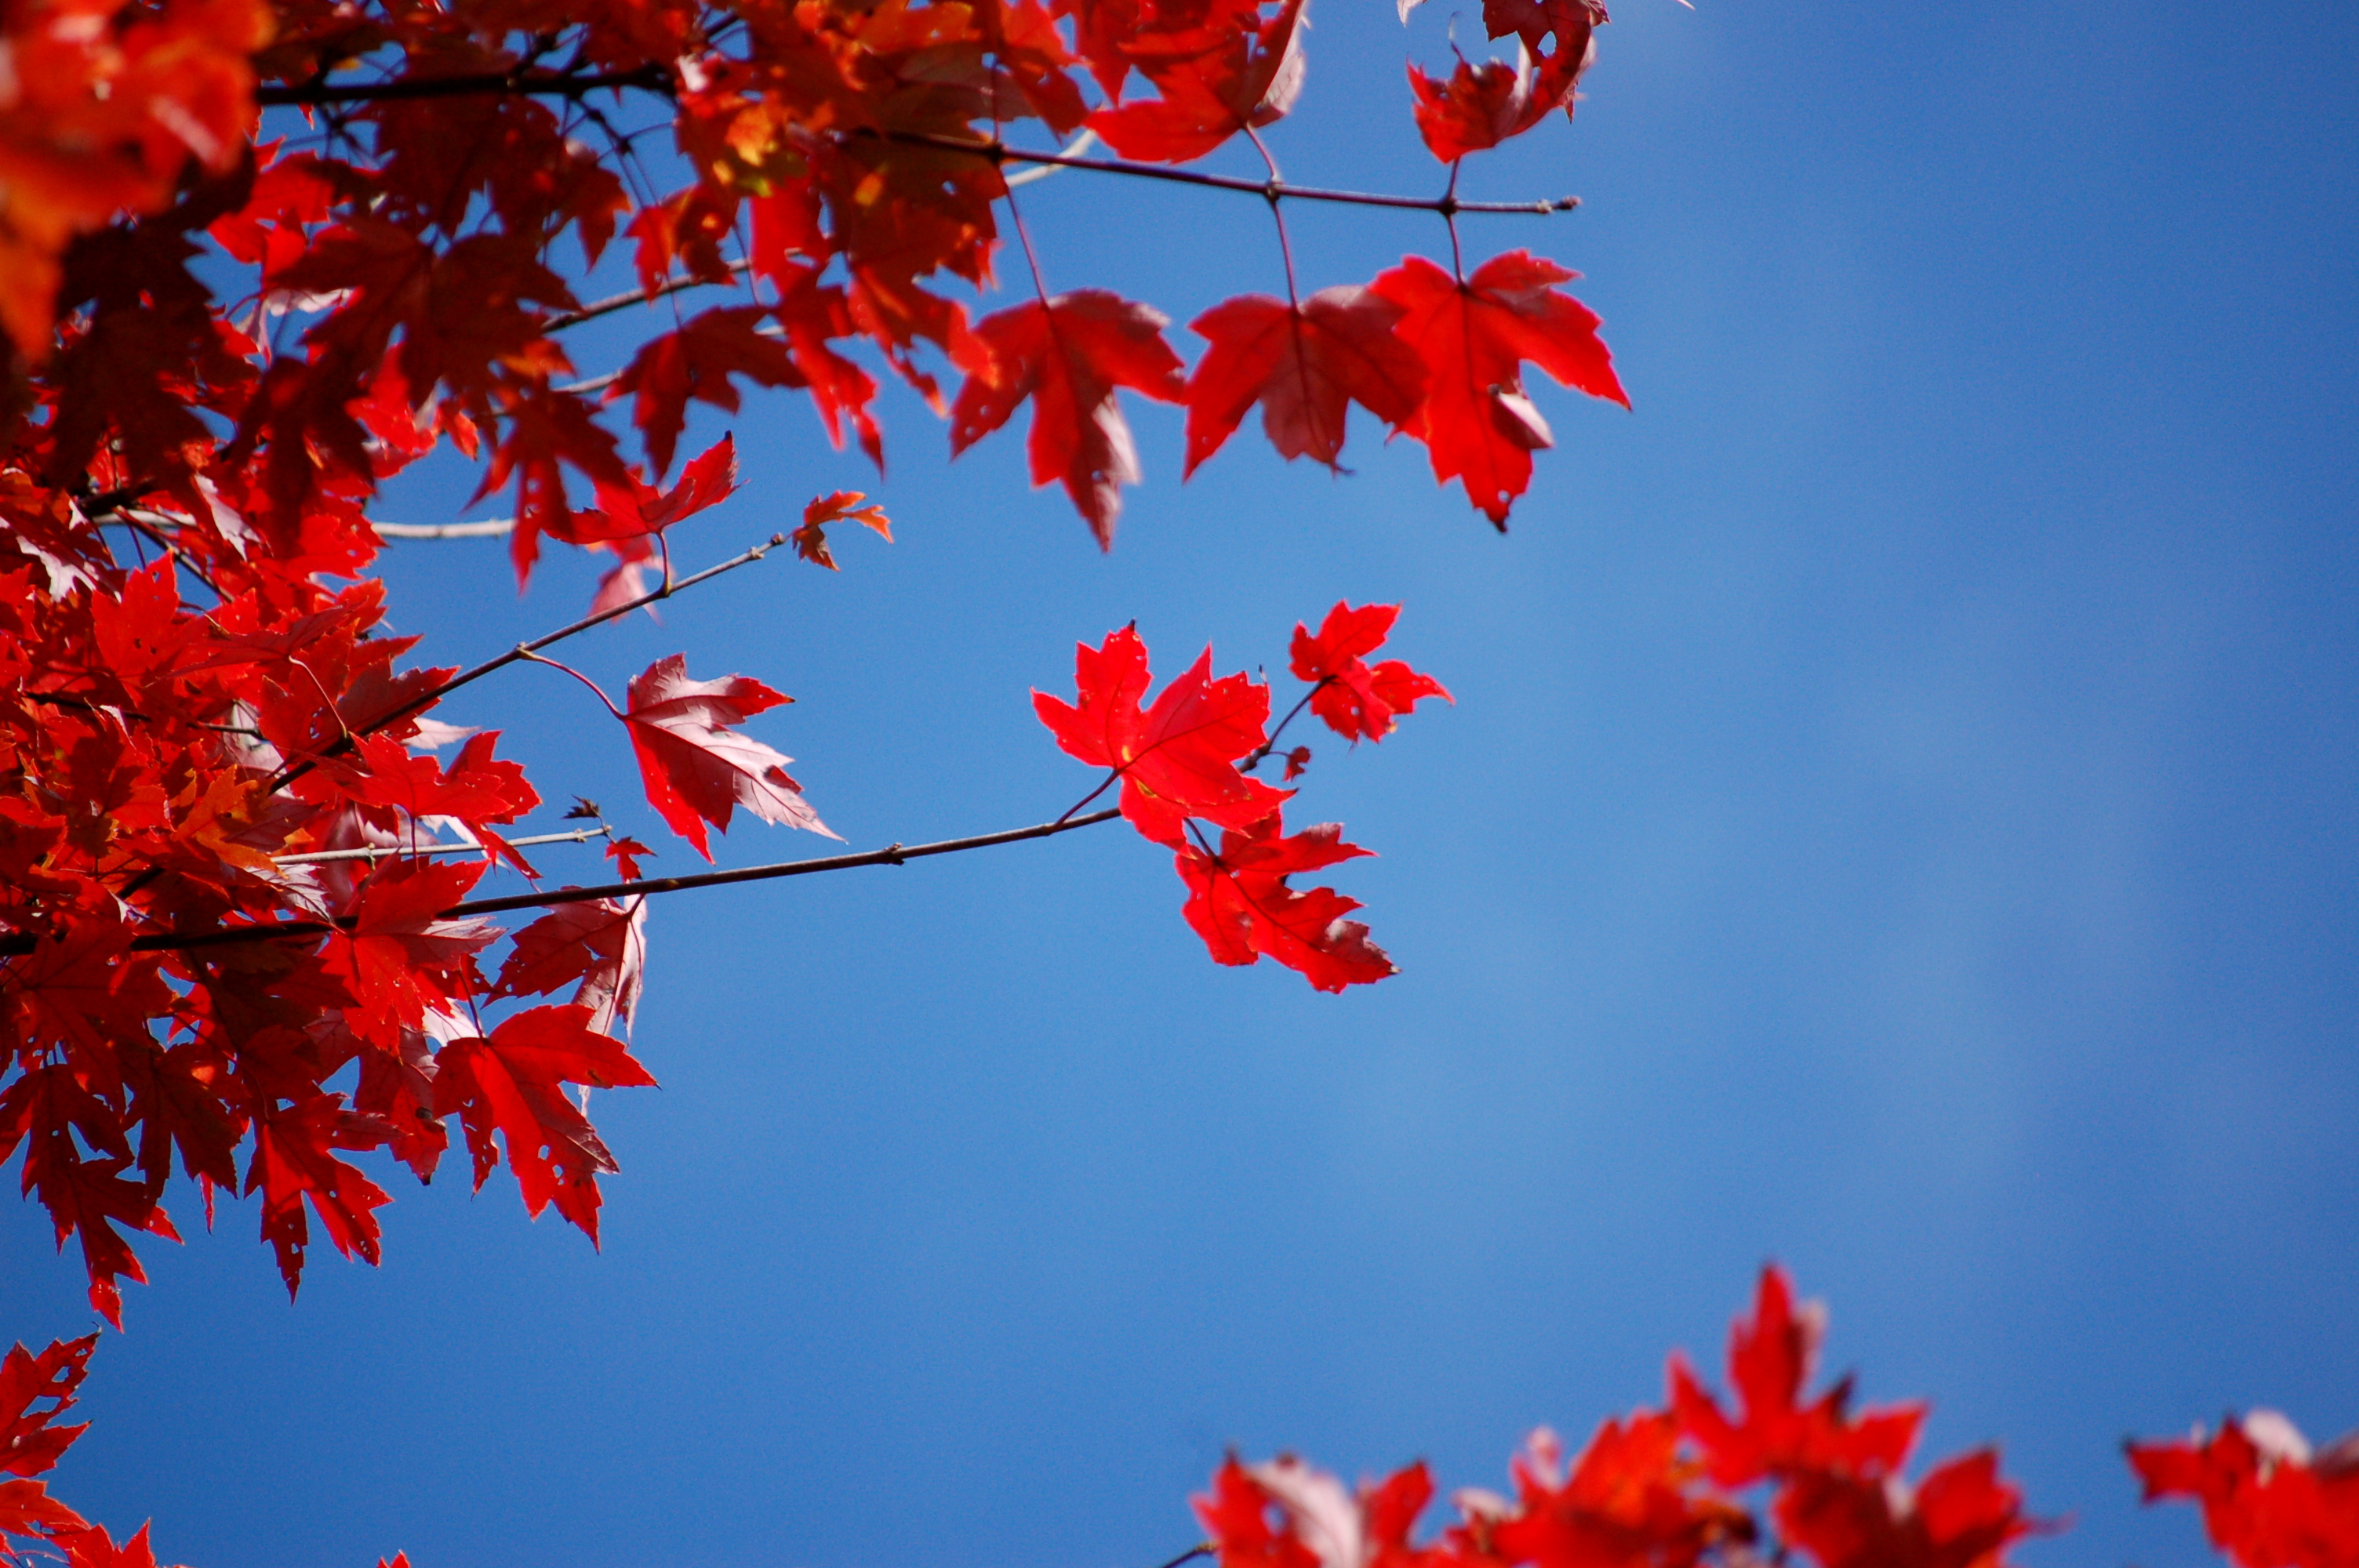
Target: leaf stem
point(597, 690)
point(1255, 761)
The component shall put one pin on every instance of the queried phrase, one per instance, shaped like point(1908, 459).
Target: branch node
point(891, 854)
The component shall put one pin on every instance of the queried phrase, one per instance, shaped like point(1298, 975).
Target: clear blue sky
point(1898, 818)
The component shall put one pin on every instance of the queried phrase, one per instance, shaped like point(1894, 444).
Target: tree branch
point(322, 857)
point(629, 298)
point(1271, 189)
point(652, 76)
point(432, 694)
point(655, 77)
point(488, 528)
point(891, 855)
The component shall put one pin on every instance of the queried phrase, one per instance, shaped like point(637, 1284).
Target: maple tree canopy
point(257, 256)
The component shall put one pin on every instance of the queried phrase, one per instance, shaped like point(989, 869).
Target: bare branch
point(489, 528)
point(322, 857)
point(627, 298)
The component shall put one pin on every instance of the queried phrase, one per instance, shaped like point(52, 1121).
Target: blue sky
point(1898, 818)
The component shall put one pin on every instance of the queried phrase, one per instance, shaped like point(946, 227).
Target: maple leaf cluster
point(259, 256)
point(1184, 764)
point(1765, 1478)
point(1656, 1488)
point(2268, 1500)
point(1659, 1488)
point(220, 880)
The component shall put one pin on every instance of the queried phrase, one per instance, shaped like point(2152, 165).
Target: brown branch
point(653, 76)
point(891, 855)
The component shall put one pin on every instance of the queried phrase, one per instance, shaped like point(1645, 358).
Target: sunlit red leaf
point(1239, 902)
point(2269, 1501)
point(1227, 72)
point(512, 1082)
point(1175, 759)
point(696, 767)
point(1354, 699)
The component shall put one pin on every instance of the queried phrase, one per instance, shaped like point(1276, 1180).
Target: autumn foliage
point(259, 256)
point(262, 257)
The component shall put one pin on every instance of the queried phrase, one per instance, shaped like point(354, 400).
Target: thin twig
point(629, 298)
point(891, 855)
point(1262, 187)
point(652, 76)
point(489, 528)
point(322, 857)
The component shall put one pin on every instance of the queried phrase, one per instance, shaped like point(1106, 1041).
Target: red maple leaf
point(1355, 700)
point(1960, 1516)
point(600, 944)
point(78, 988)
point(1627, 1501)
point(1239, 902)
point(89, 1546)
point(381, 772)
point(696, 769)
point(2269, 1501)
point(1559, 39)
point(626, 853)
point(293, 1161)
point(29, 1443)
point(1476, 423)
point(697, 363)
point(1771, 1356)
point(1228, 71)
point(399, 958)
point(1478, 106)
point(1236, 1517)
point(27, 1508)
point(1176, 759)
point(841, 506)
point(1068, 354)
point(510, 1083)
point(1301, 366)
point(1322, 1524)
point(709, 479)
point(87, 1196)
